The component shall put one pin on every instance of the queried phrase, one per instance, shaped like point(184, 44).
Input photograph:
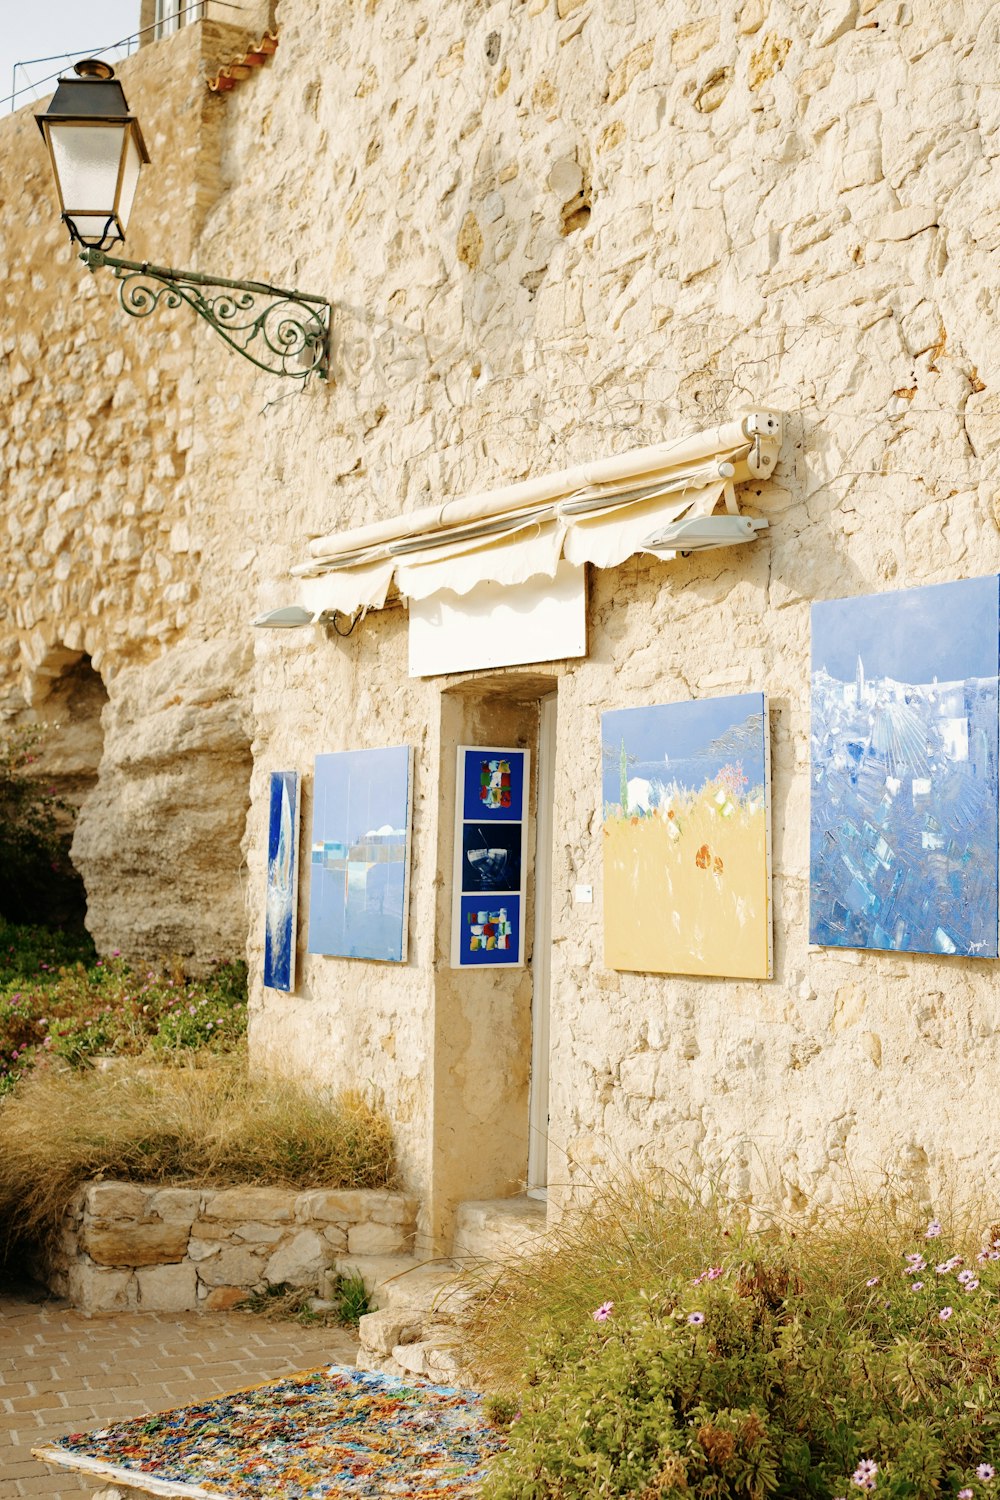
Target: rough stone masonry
point(552, 229)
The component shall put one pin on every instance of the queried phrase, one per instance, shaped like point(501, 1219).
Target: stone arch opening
point(67, 698)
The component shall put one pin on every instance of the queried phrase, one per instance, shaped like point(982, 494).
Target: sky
point(946, 630)
point(670, 741)
point(40, 28)
point(360, 791)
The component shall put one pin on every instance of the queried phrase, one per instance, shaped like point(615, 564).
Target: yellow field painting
point(686, 886)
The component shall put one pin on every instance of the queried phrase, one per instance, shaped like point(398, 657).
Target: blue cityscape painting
point(905, 744)
point(281, 903)
point(360, 856)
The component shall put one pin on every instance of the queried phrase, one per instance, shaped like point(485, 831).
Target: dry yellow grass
point(190, 1124)
point(686, 888)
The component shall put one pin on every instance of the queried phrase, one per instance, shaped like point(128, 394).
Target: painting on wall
point(360, 858)
point(904, 749)
point(490, 859)
point(687, 838)
point(281, 899)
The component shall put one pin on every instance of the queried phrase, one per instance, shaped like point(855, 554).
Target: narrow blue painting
point(360, 855)
point(905, 745)
point(281, 904)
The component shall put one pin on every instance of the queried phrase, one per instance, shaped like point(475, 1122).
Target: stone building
point(553, 232)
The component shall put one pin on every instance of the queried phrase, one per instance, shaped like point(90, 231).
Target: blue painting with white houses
point(905, 744)
point(360, 855)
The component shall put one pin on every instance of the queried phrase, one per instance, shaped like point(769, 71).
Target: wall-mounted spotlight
point(295, 617)
point(289, 617)
point(97, 153)
point(702, 533)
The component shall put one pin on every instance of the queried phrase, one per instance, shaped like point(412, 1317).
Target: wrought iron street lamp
point(97, 152)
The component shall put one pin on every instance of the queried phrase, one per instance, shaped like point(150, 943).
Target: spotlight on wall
point(97, 154)
point(702, 533)
point(289, 617)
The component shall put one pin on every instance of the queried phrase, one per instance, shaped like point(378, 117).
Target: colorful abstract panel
point(904, 746)
point(360, 858)
point(686, 838)
point(494, 784)
point(330, 1434)
point(490, 930)
point(490, 857)
point(281, 902)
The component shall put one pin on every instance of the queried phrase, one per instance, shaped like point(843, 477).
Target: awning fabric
point(598, 513)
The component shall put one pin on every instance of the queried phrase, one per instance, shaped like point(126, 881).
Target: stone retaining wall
point(179, 1249)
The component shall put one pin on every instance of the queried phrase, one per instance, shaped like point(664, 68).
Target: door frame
point(541, 952)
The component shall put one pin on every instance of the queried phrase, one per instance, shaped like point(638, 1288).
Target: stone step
point(408, 1285)
point(497, 1229)
point(375, 1271)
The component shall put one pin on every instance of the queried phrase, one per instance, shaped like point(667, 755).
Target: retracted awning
point(600, 512)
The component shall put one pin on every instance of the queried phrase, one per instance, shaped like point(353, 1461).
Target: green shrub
point(57, 998)
point(712, 1361)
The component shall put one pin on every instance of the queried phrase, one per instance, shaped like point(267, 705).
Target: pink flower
point(915, 1263)
point(916, 1286)
point(944, 1314)
point(986, 1473)
point(965, 1494)
point(697, 1318)
point(713, 1273)
point(602, 1314)
point(970, 1286)
point(872, 1281)
point(933, 1230)
point(864, 1475)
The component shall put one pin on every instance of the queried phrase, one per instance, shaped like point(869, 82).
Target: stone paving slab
point(61, 1372)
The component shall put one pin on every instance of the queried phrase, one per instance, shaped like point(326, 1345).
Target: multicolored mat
point(331, 1434)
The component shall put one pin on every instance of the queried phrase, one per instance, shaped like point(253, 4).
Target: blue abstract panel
point(282, 881)
point(360, 854)
point(491, 857)
point(905, 741)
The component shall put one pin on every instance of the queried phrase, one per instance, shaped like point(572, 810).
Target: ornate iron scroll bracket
point(282, 332)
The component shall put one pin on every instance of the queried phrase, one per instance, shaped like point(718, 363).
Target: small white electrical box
point(583, 893)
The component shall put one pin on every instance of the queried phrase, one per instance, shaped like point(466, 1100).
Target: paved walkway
point(60, 1372)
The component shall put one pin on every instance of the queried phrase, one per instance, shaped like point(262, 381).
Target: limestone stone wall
point(558, 229)
point(177, 1249)
point(554, 229)
point(110, 552)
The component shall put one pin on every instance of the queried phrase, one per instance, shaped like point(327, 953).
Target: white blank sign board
point(500, 625)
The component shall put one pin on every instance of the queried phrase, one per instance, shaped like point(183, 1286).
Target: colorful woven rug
point(332, 1434)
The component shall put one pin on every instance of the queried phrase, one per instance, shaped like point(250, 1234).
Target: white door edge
point(541, 961)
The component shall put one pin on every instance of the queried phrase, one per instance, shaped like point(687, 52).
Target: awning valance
point(599, 512)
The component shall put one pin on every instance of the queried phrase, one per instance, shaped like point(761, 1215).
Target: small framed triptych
point(491, 858)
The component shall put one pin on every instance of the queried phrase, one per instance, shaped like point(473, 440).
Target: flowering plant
point(816, 1366)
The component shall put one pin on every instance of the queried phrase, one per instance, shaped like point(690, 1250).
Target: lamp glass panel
point(93, 229)
point(130, 179)
point(86, 159)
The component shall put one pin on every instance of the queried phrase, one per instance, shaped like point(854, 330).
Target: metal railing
point(170, 18)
